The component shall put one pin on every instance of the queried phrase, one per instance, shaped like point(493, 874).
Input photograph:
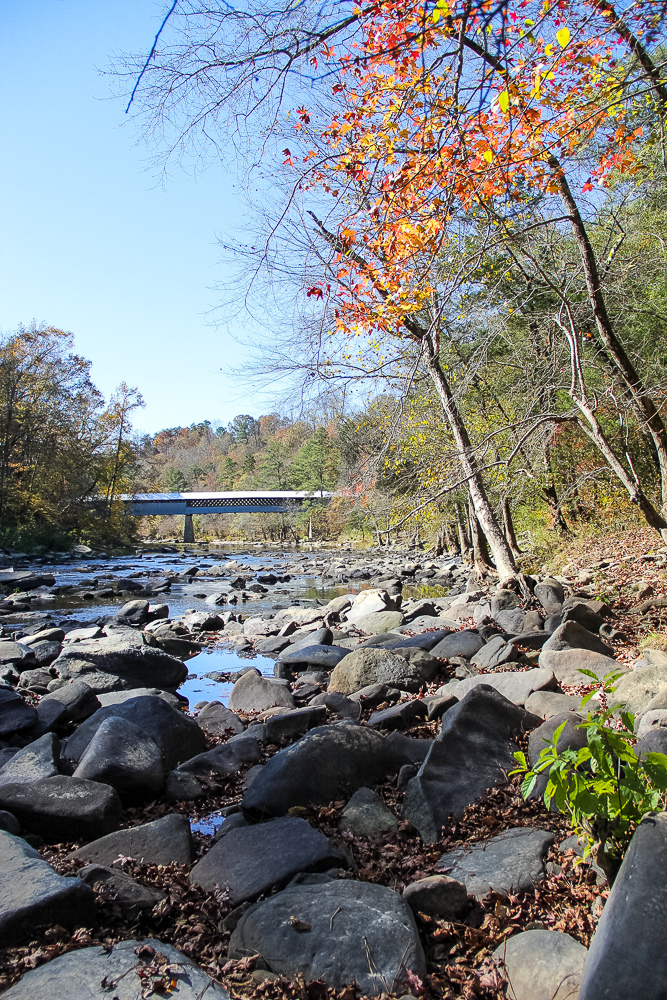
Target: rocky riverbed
point(284, 774)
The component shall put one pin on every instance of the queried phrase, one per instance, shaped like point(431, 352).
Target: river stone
point(37, 760)
point(46, 652)
point(542, 965)
point(318, 768)
point(412, 749)
point(465, 643)
point(120, 661)
point(549, 703)
point(654, 741)
point(226, 759)
point(374, 666)
point(572, 635)
point(122, 755)
point(504, 600)
point(255, 627)
point(118, 697)
point(11, 580)
point(177, 736)
point(338, 704)
point(32, 894)
point(133, 613)
point(131, 897)
point(378, 622)
point(296, 723)
point(311, 637)
point(495, 653)
point(517, 685)
point(366, 815)
point(251, 860)
point(511, 862)
point(654, 719)
point(324, 657)
point(404, 715)
point(639, 687)
point(371, 602)
point(15, 714)
point(425, 641)
point(438, 896)
point(78, 974)
point(550, 594)
point(63, 808)
point(217, 720)
point(567, 665)
point(254, 693)
point(627, 958)
point(16, 654)
point(79, 700)
point(475, 750)
point(165, 841)
point(580, 612)
point(357, 931)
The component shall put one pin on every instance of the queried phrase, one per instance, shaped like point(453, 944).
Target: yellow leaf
point(563, 37)
point(504, 100)
point(488, 156)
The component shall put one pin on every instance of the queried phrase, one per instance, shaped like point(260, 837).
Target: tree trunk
point(502, 556)
point(450, 543)
point(464, 543)
point(510, 534)
point(481, 559)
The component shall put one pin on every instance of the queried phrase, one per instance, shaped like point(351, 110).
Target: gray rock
point(627, 958)
point(339, 932)
point(296, 723)
point(571, 738)
point(133, 613)
point(46, 652)
point(511, 862)
point(374, 694)
point(463, 643)
point(79, 700)
point(9, 823)
point(37, 760)
point(165, 841)
point(542, 965)
point(132, 897)
point(404, 715)
point(655, 719)
point(177, 736)
point(226, 759)
point(15, 714)
point(637, 689)
point(427, 664)
point(183, 787)
point(580, 612)
point(254, 693)
point(549, 703)
point(504, 600)
point(122, 755)
point(438, 896)
point(372, 601)
point(78, 974)
point(11, 580)
point(379, 622)
point(33, 895)
point(474, 751)
point(119, 662)
point(550, 594)
point(317, 637)
point(363, 667)
point(16, 654)
point(427, 640)
point(274, 644)
point(63, 808)
point(217, 720)
point(572, 635)
point(119, 697)
point(322, 657)
point(495, 653)
point(517, 686)
point(366, 815)
point(654, 741)
point(318, 767)
point(567, 665)
point(412, 749)
point(512, 621)
point(251, 860)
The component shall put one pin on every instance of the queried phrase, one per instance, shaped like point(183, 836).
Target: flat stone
point(15, 714)
point(32, 894)
point(122, 755)
point(511, 862)
point(217, 720)
point(16, 654)
point(254, 693)
point(78, 974)
point(424, 640)
point(131, 897)
point(572, 635)
point(120, 697)
point(549, 703)
point(37, 760)
point(366, 815)
point(515, 685)
point(322, 657)
point(165, 841)
point(63, 808)
point(251, 860)
point(627, 958)
point(567, 665)
point(328, 931)
point(438, 896)
point(463, 643)
point(542, 965)
point(317, 768)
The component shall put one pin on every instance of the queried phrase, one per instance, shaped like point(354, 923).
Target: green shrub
point(606, 787)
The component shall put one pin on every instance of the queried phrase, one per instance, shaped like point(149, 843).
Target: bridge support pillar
point(188, 529)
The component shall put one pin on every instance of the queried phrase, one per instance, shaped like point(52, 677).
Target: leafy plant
point(605, 787)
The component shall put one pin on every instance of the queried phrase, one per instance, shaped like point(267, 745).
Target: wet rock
point(438, 896)
point(327, 932)
point(567, 664)
point(254, 693)
point(37, 760)
point(32, 894)
point(542, 965)
point(165, 841)
point(363, 667)
point(511, 862)
point(15, 715)
point(572, 635)
point(474, 750)
point(516, 686)
point(177, 736)
point(118, 662)
point(250, 860)
point(318, 767)
point(122, 755)
point(463, 643)
point(217, 720)
point(366, 815)
point(62, 808)
point(78, 974)
point(132, 897)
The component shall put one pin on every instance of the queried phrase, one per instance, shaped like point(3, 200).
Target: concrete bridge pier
point(188, 529)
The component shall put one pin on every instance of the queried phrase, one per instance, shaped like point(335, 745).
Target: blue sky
point(90, 241)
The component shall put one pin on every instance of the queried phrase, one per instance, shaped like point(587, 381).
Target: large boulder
point(37, 760)
point(516, 685)
point(337, 932)
point(511, 862)
point(165, 841)
point(319, 767)
point(627, 958)
point(76, 697)
point(475, 750)
point(372, 601)
point(379, 622)
point(251, 860)
point(122, 755)
point(119, 662)
point(542, 965)
point(15, 714)
point(567, 664)
point(32, 894)
point(374, 666)
point(254, 693)
point(572, 635)
point(637, 689)
point(78, 974)
point(177, 736)
point(63, 808)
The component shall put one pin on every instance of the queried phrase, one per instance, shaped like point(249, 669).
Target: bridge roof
point(231, 495)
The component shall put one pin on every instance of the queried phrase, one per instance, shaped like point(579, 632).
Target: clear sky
point(90, 243)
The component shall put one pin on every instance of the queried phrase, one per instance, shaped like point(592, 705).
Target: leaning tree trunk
point(510, 534)
point(502, 555)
